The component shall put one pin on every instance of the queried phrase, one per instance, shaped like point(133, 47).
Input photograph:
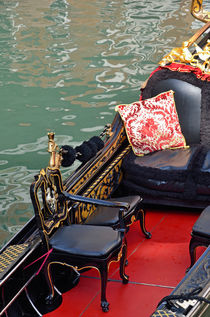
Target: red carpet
point(155, 267)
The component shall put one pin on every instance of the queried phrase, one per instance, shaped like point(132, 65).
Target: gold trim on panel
point(102, 188)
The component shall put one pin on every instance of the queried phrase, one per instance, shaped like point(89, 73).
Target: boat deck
point(155, 267)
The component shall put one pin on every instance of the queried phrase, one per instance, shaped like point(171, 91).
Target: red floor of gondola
point(155, 267)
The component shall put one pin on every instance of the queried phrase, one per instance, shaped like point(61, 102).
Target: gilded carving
point(103, 187)
point(200, 58)
point(199, 12)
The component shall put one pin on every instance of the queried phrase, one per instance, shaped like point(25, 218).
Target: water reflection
point(64, 66)
point(14, 200)
point(57, 42)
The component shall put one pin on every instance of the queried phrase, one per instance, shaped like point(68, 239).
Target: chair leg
point(104, 277)
point(123, 263)
point(50, 296)
point(141, 218)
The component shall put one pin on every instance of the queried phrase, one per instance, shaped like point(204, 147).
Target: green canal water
point(64, 66)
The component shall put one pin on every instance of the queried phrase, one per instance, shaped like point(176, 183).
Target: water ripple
point(15, 202)
point(40, 144)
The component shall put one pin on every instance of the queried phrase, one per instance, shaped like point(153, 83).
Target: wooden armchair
point(76, 246)
point(103, 217)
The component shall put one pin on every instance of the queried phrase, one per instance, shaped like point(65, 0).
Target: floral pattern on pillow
point(152, 124)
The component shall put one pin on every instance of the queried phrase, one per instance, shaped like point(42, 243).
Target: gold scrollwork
point(103, 186)
point(199, 12)
point(200, 58)
point(103, 190)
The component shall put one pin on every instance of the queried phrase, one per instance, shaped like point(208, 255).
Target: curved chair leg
point(141, 218)
point(123, 263)
point(104, 277)
point(47, 273)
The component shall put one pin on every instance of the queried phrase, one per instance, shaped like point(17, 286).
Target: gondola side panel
point(100, 177)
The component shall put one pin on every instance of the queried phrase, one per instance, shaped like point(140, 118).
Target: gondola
point(84, 221)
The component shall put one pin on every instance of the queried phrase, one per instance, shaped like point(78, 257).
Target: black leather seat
point(162, 173)
point(81, 240)
point(103, 216)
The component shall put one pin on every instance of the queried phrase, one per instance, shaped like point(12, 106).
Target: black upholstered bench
point(178, 177)
point(200, 234)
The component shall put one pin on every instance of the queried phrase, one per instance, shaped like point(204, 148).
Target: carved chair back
point(50, 212)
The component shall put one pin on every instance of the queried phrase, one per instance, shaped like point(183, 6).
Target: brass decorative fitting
point(55, 153)
point(107, 131)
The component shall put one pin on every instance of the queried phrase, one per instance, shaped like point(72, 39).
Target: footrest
point(10, 256)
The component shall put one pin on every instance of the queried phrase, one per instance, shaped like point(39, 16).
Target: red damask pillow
point(152, 124)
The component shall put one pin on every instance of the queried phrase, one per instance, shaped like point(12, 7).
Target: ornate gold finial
point(53, 149)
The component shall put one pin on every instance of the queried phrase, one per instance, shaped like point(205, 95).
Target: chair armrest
point(99, 202)
point(93, 201)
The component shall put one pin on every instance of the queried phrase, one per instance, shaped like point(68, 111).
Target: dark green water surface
point(64, 66)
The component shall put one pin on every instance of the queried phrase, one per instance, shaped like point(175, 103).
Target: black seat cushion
point(110, 216)
point(90, 241)
point(162, 172)
point(181, 173)
point(202, 225)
